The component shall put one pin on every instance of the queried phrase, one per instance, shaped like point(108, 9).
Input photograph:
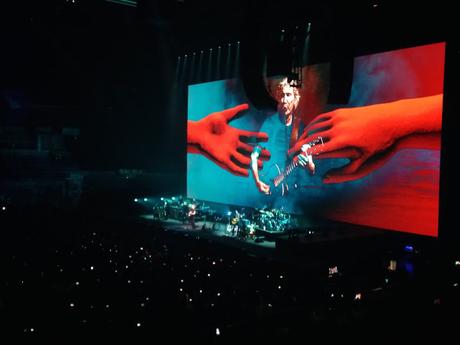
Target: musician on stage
point(191, 215)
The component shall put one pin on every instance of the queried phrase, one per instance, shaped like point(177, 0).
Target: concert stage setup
point(258, 231)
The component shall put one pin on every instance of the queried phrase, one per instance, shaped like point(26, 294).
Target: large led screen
point(374, 161)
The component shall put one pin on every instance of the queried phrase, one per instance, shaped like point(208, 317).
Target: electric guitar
point(277, 177)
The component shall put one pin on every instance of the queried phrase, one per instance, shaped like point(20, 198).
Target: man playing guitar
point(284, 133)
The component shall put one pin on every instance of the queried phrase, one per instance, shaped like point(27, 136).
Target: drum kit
point(273, 220)
point(179, 209)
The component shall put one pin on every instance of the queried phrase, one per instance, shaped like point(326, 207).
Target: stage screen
point(374, 161)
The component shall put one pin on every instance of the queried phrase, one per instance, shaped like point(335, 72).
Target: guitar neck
point(295, 162)
point(286, 172)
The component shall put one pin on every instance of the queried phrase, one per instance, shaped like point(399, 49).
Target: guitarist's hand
point(306, 162)
point(264, 188)
point(225, 145)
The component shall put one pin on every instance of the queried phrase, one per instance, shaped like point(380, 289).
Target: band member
point(235, 223)
point(191, 215)
point(282, 132)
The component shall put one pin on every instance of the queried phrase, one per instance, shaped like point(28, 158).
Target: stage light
point(409, 267)
point(217, 331)
point(145, 199)
point(409, 248)
point(135, 200)
point(3, 208)
point(457, 262)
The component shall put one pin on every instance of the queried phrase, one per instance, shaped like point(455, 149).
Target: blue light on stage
point(409, 249)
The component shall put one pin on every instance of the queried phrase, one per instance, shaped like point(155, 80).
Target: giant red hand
point(225, 145)
point(364, 134)
point(430, 141)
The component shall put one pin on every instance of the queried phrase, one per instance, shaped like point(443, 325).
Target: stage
point(282, 246)
point(259, 245)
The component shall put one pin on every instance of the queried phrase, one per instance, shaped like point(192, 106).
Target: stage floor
point(217, 232)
